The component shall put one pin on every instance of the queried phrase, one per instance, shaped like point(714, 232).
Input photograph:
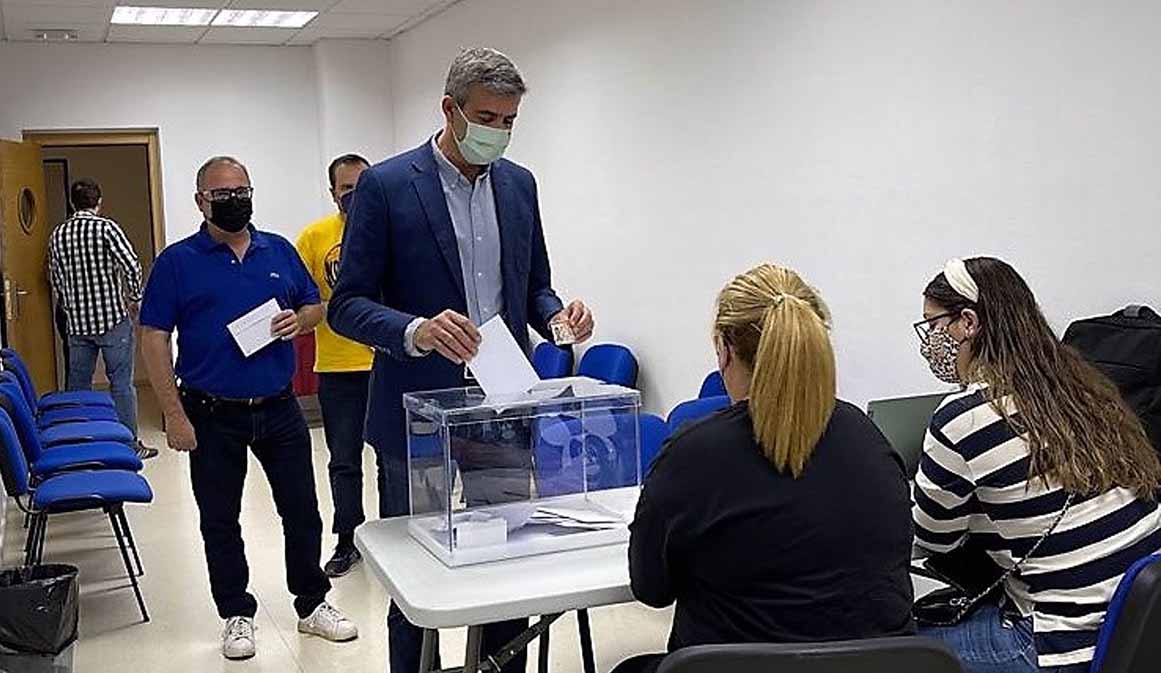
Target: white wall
point(678, 142)
point(354, 98)
point(257, 103)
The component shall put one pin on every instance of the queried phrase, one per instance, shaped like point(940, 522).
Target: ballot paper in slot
point(540, 460)
point(252, 332)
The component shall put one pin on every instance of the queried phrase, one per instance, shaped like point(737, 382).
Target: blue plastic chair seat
point(712, 386)
point(695, 410)
point(97, 455)
point(79, 433)
point(58, 415)
point(75, 398)
point(84, 490)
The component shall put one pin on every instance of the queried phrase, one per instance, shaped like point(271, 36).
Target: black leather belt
point(249, 402)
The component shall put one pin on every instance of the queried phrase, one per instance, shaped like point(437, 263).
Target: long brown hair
point(779, 327)
point(1079, 430)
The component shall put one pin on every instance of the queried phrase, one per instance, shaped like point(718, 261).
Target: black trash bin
point(39, 609)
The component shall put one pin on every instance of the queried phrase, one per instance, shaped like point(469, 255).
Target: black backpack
point(1126, 346)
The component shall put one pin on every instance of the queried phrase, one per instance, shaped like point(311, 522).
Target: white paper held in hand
point(252, 331)
point(500, 366)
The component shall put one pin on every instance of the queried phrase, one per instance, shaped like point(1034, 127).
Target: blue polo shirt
point(198, 286)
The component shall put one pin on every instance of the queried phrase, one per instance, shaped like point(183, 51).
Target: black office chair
point(879, 655)
point(1128, 642)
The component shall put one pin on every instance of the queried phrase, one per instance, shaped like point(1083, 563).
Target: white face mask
point(481, 144)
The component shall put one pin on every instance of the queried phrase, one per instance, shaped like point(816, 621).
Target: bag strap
point(966, 604)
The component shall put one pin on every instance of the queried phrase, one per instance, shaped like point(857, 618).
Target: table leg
point(586, 638)
point(472, 653)
point(428, 651)
point(543, 654)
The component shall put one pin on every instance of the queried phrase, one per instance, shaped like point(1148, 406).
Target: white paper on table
point(500, 366)
point(252, 331)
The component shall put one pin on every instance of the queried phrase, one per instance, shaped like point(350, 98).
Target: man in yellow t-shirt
point(344, 369)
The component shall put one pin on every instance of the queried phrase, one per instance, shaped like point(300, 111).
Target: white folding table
point(433, 596)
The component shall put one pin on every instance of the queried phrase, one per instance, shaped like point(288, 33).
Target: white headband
point(960, 280)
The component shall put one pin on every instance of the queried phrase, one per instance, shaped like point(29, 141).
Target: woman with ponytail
point(784, 518)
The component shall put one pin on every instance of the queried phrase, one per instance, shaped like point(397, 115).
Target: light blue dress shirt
point(473, 214)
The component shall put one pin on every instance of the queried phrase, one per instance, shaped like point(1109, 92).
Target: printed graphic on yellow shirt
point(331, 265)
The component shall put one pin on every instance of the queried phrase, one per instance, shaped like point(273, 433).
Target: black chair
point(1128, 641)
point(879, 655)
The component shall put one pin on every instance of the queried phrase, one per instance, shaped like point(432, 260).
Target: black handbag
point(972, 579)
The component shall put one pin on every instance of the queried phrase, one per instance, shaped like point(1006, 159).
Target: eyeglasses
point(225, 194)
point(923, 327)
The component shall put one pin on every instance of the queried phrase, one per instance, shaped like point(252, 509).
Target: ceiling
point(22, 20)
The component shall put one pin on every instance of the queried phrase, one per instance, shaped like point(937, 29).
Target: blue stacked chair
point(66, 398)
point(551, 361)
point(611, 363)
point(654, 432)
point(76, 428)
point(712, 386)
point(1127, 642)
point(694, 410)
point(65, 457)
point(105, 490)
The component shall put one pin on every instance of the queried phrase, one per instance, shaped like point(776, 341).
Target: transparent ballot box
point(500, 477)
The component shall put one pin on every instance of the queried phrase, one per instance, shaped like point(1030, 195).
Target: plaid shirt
point(94, 269)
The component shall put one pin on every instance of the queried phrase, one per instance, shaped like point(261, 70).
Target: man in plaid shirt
point(96, 277)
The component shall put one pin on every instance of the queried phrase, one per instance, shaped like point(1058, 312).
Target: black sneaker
point(145, 452)
point(342, 562)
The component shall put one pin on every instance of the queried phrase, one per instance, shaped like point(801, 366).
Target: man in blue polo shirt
point(218, 402)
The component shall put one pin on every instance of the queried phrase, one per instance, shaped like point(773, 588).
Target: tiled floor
point(183, 634)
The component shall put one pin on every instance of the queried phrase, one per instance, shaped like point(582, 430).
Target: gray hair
point(218, 161)
point(486, 67)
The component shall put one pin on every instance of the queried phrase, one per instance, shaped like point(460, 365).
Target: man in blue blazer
point(439, 240)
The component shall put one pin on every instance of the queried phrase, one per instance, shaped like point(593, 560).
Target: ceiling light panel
point(263, 18)
point(163, 16)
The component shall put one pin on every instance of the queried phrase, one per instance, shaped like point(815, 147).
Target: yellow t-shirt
point(319, 245)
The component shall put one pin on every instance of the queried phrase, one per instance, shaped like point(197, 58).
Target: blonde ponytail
point(778, 326)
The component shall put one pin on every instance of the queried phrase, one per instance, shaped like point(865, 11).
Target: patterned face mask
point(941, 351)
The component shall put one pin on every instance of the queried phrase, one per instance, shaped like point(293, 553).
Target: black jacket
point(752, 555)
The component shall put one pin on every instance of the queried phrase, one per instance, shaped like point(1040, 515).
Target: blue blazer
point(400, 261)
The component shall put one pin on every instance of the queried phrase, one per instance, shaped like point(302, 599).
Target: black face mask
point(232, 215)
point(345, 202)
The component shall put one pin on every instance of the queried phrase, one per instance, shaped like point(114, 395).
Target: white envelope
point(252, 331)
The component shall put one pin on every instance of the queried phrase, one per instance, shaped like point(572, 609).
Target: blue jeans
point(343, 399)
point(116, 347)
point(987, 643)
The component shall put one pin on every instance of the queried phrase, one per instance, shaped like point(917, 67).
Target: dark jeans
point(277, 434)
point(405, 640)
point(343, 399)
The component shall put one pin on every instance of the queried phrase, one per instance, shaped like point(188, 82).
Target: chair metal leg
point(28, 538)
point(120, 512)
point(41, 538)
point(128, 565)
point(586, 641)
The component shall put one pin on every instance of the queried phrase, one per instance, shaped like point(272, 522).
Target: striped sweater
point(973, 479)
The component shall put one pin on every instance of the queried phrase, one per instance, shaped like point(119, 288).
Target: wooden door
point(24, 232)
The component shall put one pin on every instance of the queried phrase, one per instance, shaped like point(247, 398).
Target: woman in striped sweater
point(1033, 425)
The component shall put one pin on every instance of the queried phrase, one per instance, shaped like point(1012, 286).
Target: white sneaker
point(327, 622)
point(238, 638)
